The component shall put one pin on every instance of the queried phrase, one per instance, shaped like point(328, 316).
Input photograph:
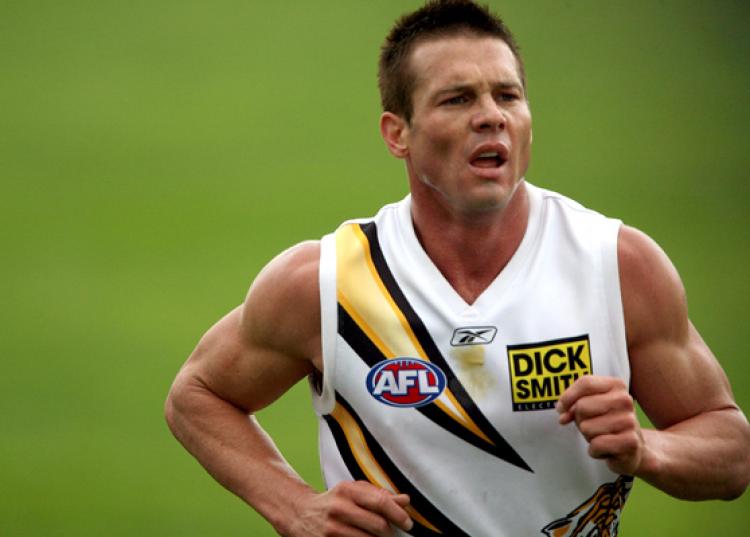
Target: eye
point(509, 96)
point(456, 99)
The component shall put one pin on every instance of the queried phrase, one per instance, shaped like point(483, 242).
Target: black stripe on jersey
point(501, 448)
point(344, 450)
point(357, 339)
point(371, 355)
point(418, 501)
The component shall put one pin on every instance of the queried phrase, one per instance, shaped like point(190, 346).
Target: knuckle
point(381, 498)
point(600, 447)
point(339, 489)
point(631, 421)
point(336, 508)
point(586, 429)
point(381, 526)
point(582, 411)
point(619, 383)
point(625, 400)
point(578, 408)
point(330, 529)
point(631, 442)
point(345, 489)
point(617, 424)
point(347, 486)
point(622, 422)
point(594, 450)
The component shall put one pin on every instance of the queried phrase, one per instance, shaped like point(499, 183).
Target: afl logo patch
point(405, 382)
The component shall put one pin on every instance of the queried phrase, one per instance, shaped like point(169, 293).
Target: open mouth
point(488, 159)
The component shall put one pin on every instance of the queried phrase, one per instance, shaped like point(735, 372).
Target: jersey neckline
point(487, 299)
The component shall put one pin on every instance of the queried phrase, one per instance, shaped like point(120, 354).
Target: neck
point(471, 250)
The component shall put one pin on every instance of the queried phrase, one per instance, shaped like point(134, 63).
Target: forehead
point(446, 61)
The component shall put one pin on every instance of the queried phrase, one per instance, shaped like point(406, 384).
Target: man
point(441, 336)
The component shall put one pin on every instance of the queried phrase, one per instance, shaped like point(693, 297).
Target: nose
point(489, 116)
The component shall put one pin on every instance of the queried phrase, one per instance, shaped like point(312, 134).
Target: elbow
point(741, 476)
point(741, 482)
point(737, 487)
point(173, 403)
point(170, 411)
point(734, 494)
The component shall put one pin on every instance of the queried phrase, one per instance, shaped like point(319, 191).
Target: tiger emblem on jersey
point(599, 516)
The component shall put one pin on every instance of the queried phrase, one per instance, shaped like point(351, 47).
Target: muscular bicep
point(675, 376)
point(264, 346)
point(673, 381)
point(246, 375)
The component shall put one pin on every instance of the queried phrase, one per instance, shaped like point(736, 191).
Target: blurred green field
point(155, 155)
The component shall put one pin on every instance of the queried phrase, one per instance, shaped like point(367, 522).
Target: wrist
point(288, 516)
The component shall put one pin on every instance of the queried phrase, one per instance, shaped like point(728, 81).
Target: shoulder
point(653, 296)
point(550, 198)
point(282, 307)
point(567, 216)
point(293, 268)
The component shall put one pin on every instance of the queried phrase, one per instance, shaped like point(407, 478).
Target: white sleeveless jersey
point(453, 403)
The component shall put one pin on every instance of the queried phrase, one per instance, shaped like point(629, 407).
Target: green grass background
point(155, 155)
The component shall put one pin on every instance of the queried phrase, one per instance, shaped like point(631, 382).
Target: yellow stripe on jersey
point(366, 461)
point(371, 335)
point(362, 293)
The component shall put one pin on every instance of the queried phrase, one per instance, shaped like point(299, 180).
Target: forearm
point(704, 457)
point(236, 451)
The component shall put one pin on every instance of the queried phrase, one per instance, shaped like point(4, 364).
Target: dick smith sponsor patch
point(540, 372)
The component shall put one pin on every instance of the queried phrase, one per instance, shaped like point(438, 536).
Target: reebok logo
point(473, 335)
point(541, 372)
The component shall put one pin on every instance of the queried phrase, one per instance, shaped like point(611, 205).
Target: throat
point(472, 262)
point(470, 288)
point(472, 257)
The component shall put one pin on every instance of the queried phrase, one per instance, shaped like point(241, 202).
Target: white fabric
point(562, 282)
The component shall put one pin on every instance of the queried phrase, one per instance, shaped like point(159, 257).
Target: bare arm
point(242, 364)
point(701, 447)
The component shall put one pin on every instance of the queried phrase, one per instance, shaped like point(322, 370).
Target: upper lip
point(502, 150)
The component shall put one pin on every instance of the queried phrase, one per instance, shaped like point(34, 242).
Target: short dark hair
point(437, 18)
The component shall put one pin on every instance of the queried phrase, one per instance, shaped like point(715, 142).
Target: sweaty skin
point(241, 366)
point(466, 149)
point(700, 450)
point(469, 99)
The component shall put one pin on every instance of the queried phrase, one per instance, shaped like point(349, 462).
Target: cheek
point(525, 157)
point(434, 163)
point(442, 146)
point(435, 137)
point(526, 145)
point(524, 141)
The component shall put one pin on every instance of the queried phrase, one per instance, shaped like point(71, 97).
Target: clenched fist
point(603, 411)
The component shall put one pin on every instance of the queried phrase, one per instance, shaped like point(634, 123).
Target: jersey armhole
point(324, 400)
point(613, 292)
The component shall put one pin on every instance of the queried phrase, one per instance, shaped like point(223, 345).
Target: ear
point(394, 128)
